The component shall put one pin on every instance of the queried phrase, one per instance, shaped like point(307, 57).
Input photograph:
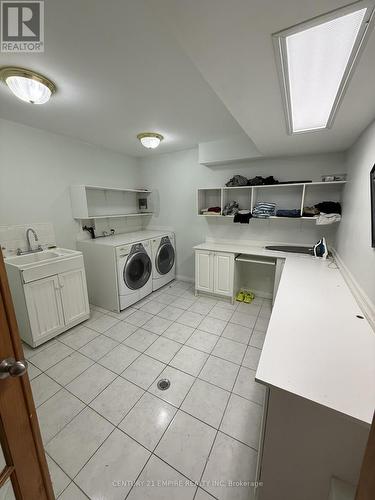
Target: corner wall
point(175, 178)
point(37, 169)
point(353, 243)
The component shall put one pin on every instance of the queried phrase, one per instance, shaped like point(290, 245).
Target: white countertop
point(315, 345)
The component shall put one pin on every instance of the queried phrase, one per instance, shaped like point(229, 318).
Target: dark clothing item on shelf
point(214, 209)
point(329, 207)
point(242, 218)
point(310, 211)
point(263, 210)
point(237, 180)
point(262, 181)
point(230, 208)
point(294, 213)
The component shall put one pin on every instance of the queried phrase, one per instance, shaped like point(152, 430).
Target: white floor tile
point(229, 350)
point(141, 339)
point(119, 358)
point(202, 340)
point(123, 314)
point(183, 303)
point(220, 313)
point(157, 325)
point(94, 315)
point(262, 324)
point(151, 486)
point(230, 461)
point(55, 413)
point(78, 337)
point(251, 358)
point(138, 318)
point(180, 385)
point(103, 323)
point(75, 444)
point(201, 307)
point(257, 339)
point(120, 458)
point(203, 495)
point(163, 349)
point(51, 355)
point(189, 360)
point(121, 331)
point(165, 298)
point(191, 319)
point(179, 333)
point(251, 309)
point(58, 477)
point(88, 385)
point(147, 420)
point(43, 388)
point(98, 347)
point(153, 307)
point(69, 368)
point(206, 402)
point(242, 421)
point(243, 319)
point(213, 325)
point(171, 313)
point(116, 400)
point(246, 386)
point(219, 372)
point(33, 371)
point(238, 333)
point(186, 445)
point(143, 371)
point(72, 493)
point(29, 352)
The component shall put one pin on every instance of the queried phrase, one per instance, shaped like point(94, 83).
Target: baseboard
point(363, 300)
point(180, 277)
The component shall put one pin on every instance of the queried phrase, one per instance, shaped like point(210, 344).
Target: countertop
point(316, 347)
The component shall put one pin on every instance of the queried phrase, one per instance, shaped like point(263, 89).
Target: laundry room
point(187, 265)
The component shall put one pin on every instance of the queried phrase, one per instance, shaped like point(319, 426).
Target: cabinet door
point(44, 306)
point(223, 273)
point(74, 295)
point(203, 271)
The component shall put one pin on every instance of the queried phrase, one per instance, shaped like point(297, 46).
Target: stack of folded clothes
point(294, 213)
point(263, 210)
point(211, 211)
point(231, 208)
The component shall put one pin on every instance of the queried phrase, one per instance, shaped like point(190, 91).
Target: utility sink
point(32, 259)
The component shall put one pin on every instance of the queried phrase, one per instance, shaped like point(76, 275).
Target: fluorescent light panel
point(315, 63)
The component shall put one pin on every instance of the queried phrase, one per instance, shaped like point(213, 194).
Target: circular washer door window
point(137, 270)
point(164, 258)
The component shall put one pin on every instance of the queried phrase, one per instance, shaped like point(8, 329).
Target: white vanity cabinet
point(49, 297)
point(214, 272)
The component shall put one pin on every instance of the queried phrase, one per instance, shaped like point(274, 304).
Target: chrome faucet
point(29, 247)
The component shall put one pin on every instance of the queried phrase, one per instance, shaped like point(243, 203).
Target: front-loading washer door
point(164, 259)
point(137, 270)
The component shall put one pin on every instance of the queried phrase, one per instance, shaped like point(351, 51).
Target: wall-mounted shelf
point(286, 196)
point(101, 202)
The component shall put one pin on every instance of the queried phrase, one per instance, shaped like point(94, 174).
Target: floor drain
point(164, 384)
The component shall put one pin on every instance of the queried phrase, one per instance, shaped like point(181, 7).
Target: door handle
point(9, 367)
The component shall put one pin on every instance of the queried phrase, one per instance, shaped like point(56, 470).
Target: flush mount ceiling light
point(315, 61)
point(150, 140)
point(27, 85)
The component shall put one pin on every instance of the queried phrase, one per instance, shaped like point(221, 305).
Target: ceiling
point(195, 71)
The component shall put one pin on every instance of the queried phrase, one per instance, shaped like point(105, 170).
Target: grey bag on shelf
point(237, 180)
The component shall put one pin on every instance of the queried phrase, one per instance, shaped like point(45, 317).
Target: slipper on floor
point(240, 297)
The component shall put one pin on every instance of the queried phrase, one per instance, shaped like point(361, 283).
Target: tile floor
point(110, 433)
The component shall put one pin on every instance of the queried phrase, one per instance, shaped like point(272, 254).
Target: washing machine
point(134, 272)
point(163, 260)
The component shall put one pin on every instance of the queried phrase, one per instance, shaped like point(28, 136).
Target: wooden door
point(44, 306)
point(203, 271)
point(24, 472)
point(74, 296)
point(223, 273)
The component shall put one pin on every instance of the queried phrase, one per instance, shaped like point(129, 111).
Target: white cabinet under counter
point(49, 293)
point(214, 272)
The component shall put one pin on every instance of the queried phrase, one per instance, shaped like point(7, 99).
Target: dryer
point(163, 260)
point(134, 272)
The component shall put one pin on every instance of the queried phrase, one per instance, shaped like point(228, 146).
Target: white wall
point(354, 234)
point(176, 177)
point(37, 169)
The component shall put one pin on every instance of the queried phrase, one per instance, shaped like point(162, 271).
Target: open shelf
point(286, 196)
point(137, 214)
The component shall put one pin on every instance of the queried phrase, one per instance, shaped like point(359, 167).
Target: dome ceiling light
point(27, 85)
point(150, 140)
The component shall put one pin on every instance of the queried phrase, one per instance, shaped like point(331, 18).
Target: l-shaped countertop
point(316, 346)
